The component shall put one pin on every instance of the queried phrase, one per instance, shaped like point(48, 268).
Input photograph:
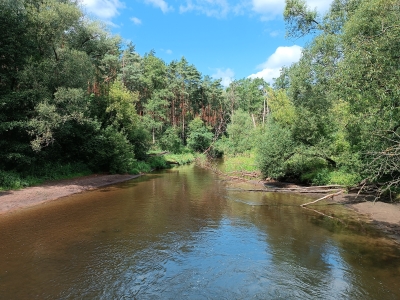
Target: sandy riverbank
point(11, 201)
point(384, 216)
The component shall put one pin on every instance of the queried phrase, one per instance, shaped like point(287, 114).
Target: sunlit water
point(187, 234)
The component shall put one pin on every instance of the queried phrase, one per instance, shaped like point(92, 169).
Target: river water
point(187, 234)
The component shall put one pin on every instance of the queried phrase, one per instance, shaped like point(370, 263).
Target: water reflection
point(186, 234)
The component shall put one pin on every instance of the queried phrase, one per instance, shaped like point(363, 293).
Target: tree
point(200, 137)
point(248, 94)
point(368, 80)
point(299, 19)
point(241, 133)
point(274, 150)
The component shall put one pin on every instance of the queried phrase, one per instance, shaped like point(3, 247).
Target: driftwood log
point(304, 190)
point(322, 198)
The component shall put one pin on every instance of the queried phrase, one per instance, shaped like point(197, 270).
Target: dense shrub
point(275, 148)
point(170, 140)
point(111, 151)
point(157, 162)
point(200, 137)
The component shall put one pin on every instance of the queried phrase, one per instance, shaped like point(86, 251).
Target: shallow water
point(187, 234)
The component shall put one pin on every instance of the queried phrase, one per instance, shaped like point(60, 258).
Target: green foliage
point(170, 140)
point(282, 109)
point(248, 95)
point(12, 180)
point(140, 139)
point(326, 176)
point(69, 94)
point(46, 171)
point(301, 163)
point(200, 137)
point(275, 148)
point(180, 159)
point(157, 162)
point(111, 150)
point(241, 134)
point(140, 167)
point(240, 163)
point(300, 20)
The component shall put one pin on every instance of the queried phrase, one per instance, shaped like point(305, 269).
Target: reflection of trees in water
point(130, 238)
point(312, 251)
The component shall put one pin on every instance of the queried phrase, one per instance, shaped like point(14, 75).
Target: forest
point(75, 100)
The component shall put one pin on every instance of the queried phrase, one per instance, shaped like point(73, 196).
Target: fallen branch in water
point(326, 186)
point(322, 198)
point(325, 215)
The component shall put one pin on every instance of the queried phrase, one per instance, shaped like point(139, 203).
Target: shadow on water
point(185, 234)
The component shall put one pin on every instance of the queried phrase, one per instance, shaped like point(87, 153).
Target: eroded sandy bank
point(11, 201)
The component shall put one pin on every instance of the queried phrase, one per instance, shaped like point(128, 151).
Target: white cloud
point(283, 56)
point(226, 76)
point(161, 4)
point(136, 21)
point(211, 8)
point(321, 5)
point(167, 51)
point(270, 9)
point(111, 24)
point(274, 33)
point(104, 9)
point(267, 9)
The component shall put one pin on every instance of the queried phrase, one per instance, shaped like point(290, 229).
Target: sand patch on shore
point(13, 200)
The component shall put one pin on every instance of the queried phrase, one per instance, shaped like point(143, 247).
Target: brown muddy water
point(187, 234)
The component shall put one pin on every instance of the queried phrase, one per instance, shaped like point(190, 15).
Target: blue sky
point(222, 38)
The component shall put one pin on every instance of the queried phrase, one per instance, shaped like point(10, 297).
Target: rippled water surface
point(187, 234)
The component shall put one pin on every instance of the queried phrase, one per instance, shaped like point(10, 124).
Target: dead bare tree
point(385, 165)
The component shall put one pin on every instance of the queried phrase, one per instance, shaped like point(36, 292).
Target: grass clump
point(12, 180)
point(140, 167)
point(180, 159)
point(326, 177)
point(242, 163)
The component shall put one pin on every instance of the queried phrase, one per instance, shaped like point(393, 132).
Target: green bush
point(111, 151)
point(274, 150)
point(157, 162)
point(140, 138)
point(241, 137)
point(180, 159)
point(140, 167)
point(326, 176)
point(11, 180)
point(240, 163)
point(200, 137)
point(170, 140)
point(37, 174)
point(300, 164)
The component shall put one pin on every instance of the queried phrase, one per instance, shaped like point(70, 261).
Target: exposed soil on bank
point(384, 216)
point(11, 201)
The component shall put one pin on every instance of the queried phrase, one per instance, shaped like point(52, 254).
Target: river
point(185, 233)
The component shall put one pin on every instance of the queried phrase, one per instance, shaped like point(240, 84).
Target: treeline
point(74, 98)
point(334, 117)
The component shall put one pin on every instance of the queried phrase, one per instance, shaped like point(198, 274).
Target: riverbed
point(186, 233)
